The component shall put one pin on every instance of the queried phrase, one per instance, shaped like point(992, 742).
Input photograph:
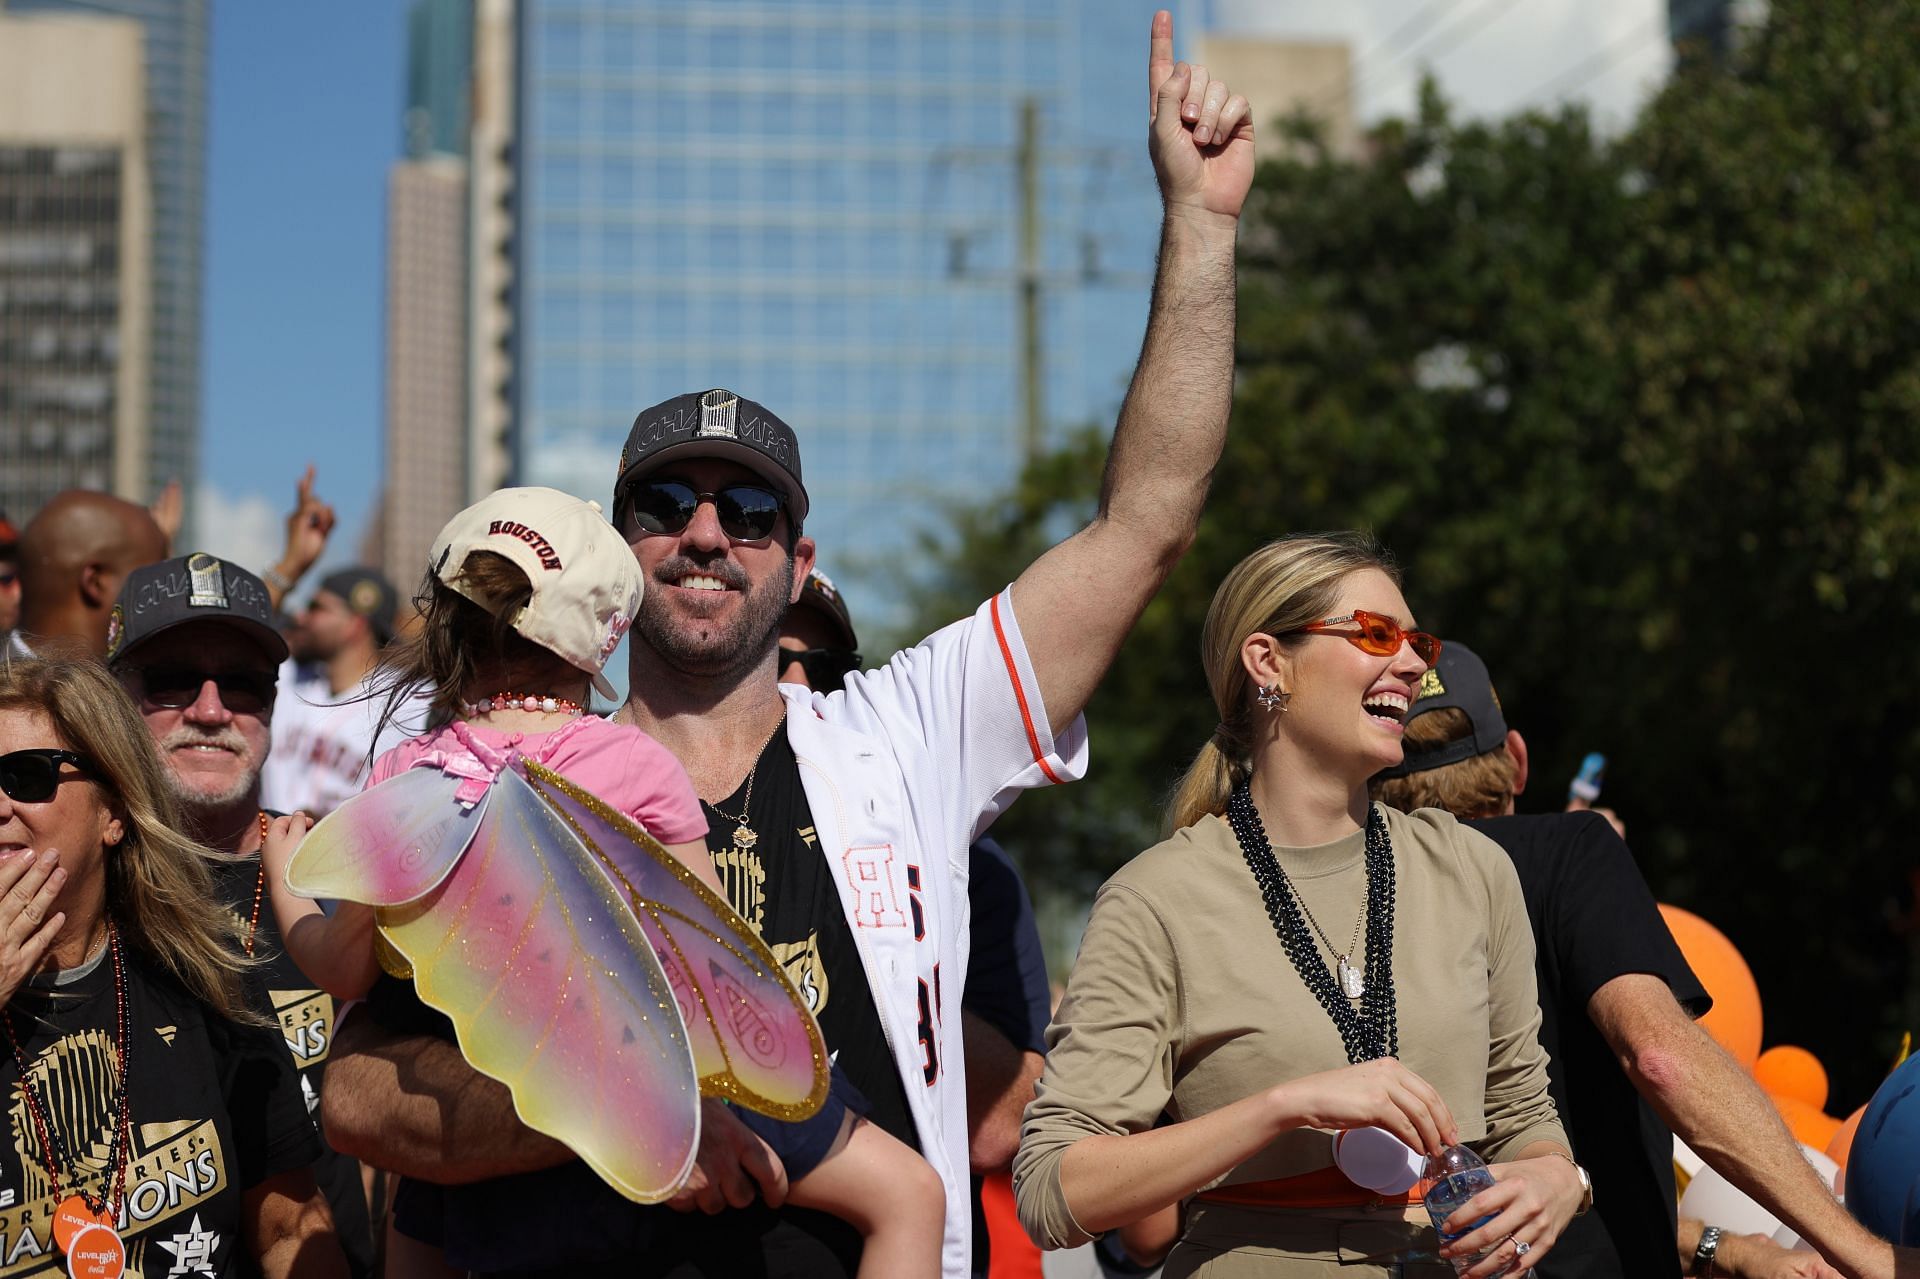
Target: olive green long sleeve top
point(1182, 1000)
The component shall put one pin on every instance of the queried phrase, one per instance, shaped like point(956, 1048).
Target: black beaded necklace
point(1372, 1030)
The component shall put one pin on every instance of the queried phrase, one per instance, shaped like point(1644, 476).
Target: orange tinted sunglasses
point(1379, 635)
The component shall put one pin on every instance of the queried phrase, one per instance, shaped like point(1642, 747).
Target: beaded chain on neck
point(1373, 1030)
point(259, 883)
point(113, 1187)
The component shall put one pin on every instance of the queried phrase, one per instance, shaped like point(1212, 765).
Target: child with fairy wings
point(528, 593)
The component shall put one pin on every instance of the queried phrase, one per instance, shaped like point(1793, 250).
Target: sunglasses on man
point(826, 668)
point(32, 776)
point(1377, 634)
point(748, 512)
point(177, 687)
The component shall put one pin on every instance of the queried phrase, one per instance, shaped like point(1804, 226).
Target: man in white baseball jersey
point(841, 822)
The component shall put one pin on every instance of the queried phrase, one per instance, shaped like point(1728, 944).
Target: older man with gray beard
point(192, 641)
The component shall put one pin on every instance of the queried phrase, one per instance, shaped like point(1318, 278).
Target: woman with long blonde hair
point(1294, 962)
point(161, 1122)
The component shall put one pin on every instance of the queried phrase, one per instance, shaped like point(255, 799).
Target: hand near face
point(1200, 133)
point(30, 880)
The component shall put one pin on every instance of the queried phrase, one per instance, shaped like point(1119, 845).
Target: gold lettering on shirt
point(804, 968)
point(744, 876)
point(306, 1022)
point(173, 1167)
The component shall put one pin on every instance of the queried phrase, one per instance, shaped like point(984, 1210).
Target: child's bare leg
point(885, 1190)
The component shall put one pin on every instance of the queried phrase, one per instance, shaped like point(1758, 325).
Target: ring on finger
point(1520, 1247)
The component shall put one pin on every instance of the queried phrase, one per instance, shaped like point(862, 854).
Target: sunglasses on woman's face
point(177, 687)
point(826, 668)
point(32, 776)
point(1378, 634)
point(747, 511)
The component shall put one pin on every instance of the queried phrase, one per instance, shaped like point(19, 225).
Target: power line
point(1432, 44)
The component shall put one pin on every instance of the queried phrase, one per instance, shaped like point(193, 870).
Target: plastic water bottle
point(1454, 1177)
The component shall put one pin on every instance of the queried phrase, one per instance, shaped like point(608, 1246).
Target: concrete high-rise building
point(821, 206)
point(76, 250)
point(490, 249)
point(175, 54)
point(427, 294)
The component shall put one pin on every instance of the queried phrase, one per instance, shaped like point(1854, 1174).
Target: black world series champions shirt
point(215, 1109)
point(304, 1015)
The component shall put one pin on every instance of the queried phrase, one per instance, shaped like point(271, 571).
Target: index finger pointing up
point(1159, 58)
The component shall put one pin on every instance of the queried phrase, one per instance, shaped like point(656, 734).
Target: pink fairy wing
point(754, 1042)
point(390, 844)
point(553, 990)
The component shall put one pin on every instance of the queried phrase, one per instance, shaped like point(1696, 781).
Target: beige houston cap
point(586, 583)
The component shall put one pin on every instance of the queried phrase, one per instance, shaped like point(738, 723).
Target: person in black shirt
point(1627, 1065)
point(158, 1124)
point(192, 641)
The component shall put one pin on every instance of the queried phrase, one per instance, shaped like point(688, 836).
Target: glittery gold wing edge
point(738, 936)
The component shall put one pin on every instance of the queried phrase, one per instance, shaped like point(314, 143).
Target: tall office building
point(175, 50)
point(820, 205)
point(75, 259)
point(427, 294)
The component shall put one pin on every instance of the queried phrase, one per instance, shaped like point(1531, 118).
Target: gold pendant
point(744, 836)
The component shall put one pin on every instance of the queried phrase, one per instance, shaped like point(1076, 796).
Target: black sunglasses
point(32, 776)
point(747, 512)
point(827, 668)
point(175, 687)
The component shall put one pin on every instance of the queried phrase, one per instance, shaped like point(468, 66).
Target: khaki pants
point(1227, 1241)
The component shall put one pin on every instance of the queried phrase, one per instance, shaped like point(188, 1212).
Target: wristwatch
point(1703, 1254)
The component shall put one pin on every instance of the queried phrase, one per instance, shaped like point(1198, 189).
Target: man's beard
point(199, 802)
point(733, 646)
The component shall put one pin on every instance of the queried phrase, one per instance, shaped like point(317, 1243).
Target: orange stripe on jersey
point(1020, 695)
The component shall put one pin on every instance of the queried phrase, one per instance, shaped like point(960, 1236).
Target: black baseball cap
point(367, 593)
point(823, 597)
point(191, 588)
point(720, 424)
point(1460, 681)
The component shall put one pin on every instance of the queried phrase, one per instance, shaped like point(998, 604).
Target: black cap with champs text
point(717, 424)
point(1459, 681)
point(191, 588)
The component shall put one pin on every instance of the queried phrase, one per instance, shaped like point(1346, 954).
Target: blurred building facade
point(820, 205)
point(174, 51)
point(76, 259)
point(427, 297)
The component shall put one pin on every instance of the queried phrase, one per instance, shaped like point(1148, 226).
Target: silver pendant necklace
point(1352, 984)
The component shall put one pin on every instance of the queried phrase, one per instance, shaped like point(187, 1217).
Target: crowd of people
point(1345, 928)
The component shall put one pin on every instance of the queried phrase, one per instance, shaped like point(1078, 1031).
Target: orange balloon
point(1787, 1071)
point(1808, 1124)
point(1842, 1144)
point(1734, 1021)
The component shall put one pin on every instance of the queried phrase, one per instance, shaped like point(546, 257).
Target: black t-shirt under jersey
point(1595, 919)
point(215, 1109)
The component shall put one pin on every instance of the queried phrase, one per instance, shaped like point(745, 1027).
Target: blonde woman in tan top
point(1294, 961)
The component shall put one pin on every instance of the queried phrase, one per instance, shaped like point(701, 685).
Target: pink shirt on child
point(616, 762)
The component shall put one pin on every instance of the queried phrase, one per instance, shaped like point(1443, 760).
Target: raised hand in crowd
point(309, 525)
point(169, 511)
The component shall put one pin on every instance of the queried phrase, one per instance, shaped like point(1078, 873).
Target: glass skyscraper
point(175, 34)
point(817, 204)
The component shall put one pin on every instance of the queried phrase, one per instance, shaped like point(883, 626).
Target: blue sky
point(303, 119)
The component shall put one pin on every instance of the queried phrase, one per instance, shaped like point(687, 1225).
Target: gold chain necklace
point(745, 836)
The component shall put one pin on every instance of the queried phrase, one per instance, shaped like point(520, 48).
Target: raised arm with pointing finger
point(1078, 601)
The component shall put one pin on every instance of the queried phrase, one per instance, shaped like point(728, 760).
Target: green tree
point(1641, 417)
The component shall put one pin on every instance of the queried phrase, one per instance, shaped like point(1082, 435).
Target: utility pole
point(1032, 355)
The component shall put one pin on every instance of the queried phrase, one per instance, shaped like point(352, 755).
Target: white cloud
point(1527, 54)
point(247, 528)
